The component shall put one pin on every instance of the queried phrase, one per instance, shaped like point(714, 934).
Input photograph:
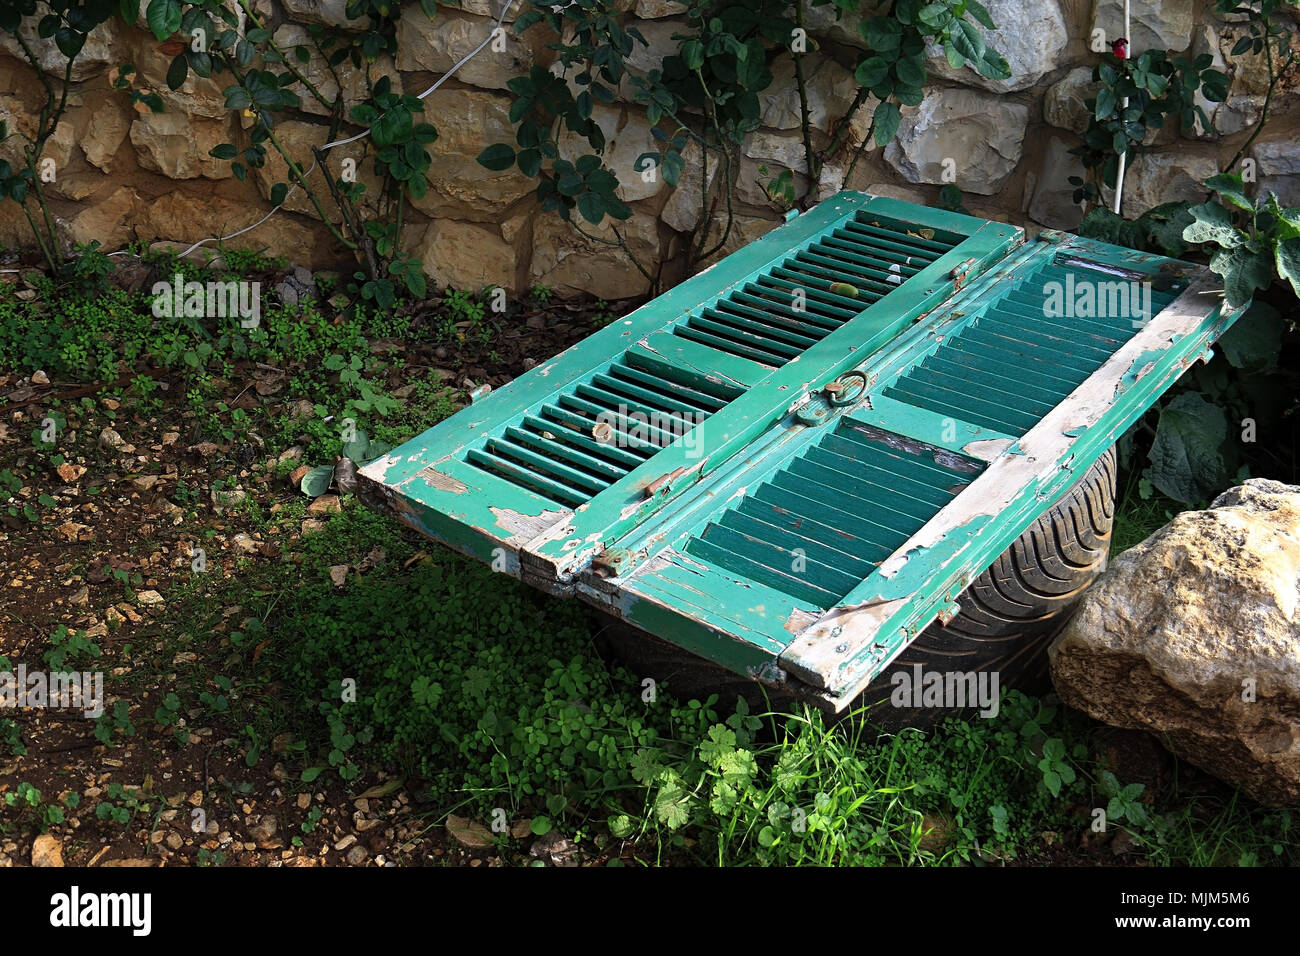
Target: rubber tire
point(1007, 618)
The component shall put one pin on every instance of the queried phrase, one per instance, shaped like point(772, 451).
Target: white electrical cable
point(352, 139)
point(1119, 175)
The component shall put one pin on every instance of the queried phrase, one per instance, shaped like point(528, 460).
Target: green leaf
point(311, 773)
point(237, 98)
point(692, 54)
point(278, 192)
point(1164, 225)
point(1255, 340)
point(497, 157)
point(1231, 188)
point(934, 15)
point(69, 41)
point(1214, 224)
point(317, 481)
point(911, 71)
point(993, 65)
point(393, 127)
point(882, 34)
point(1288, 262)
point(1243, 271)
point(674, 164)
point(530, 162)
point(359, 447)
point(570, 185)
point(130, 11)
point(592, 207)
point(540, 826)
point(1288, 220)
point(980, 13)
point(872, 71)
point(886, 119)
point(163, 17)
point(1187, 462)
point(1105, 103)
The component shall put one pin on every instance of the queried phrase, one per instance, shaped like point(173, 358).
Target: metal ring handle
point(837, 399)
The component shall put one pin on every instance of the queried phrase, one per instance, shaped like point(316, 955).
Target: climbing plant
point(705, 94)
point(68, 23)
point(1134, 98)
point(268, 80)
point(1251, 242)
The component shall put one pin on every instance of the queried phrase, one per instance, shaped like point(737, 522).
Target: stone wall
point(127, 174)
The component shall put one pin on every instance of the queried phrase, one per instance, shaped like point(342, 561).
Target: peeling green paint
point(945, 471)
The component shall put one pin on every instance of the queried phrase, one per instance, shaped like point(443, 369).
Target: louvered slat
point(821, 524)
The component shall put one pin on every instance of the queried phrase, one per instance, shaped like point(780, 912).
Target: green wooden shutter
point(529, 474)
point(794, 535)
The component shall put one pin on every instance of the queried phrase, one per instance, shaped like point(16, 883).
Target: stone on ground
point(1194, 636)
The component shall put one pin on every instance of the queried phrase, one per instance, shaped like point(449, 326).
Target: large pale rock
point(649, 56)
point(108, 126)
point(822, 21)
point(682, 211)
point(894, 191)
point(437, 45)
point(187, 217)
point(102, 49)
point(298, 139)
point(1052, 197)
point(110, 221)
point(569, 262)
point(830, 88)
point(459, 188)
point(1223, 119)
point(1249, 70)
point(657, 9)
point(490, 8)
point(330, 13)
point(179, 146)
point(316, 71)
point(461, 255)
point(982, 135)
point(1194, 636)
point(744, 230)
point(197, 96)
point(1168, 176)
point(1278, 165)
point(15, 231)
point(1155, 24)
point(774, 152)
point(627, 139)
point(1032, 36)
point(1064, 104)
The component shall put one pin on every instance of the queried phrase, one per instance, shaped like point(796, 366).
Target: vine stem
point(862, 147)
point(311, 87)
point(294, 169)
point(726, 182)
point(1273, 79)
point(842, 127)
point(51, 113)
point(803, 108)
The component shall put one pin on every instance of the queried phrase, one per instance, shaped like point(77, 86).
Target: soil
point(107, 558)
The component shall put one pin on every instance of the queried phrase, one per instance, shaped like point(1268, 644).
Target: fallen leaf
point(469, 834)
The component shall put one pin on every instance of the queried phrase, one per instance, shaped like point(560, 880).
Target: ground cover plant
point(293, 678)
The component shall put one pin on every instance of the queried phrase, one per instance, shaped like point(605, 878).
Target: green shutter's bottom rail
point(804, 534)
